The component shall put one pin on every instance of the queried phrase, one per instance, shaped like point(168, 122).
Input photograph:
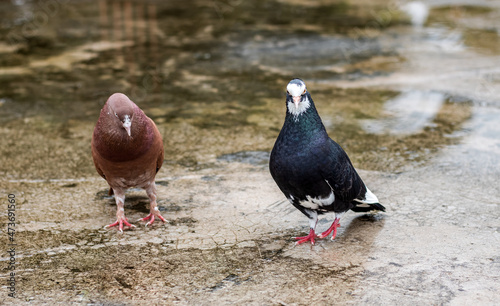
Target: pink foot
point(151, 218)
point(120, 222)
point(312, 235)
point(333, 228)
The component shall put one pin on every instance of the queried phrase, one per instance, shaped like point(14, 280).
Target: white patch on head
point(295, 89)
point(126, 121)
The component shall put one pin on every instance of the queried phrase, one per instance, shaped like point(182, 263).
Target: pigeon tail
point(369, 203)
point(366, 207)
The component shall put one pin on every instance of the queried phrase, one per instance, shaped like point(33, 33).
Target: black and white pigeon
point(312, 170)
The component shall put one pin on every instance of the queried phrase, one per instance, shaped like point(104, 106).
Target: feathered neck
point(304, 125)
point(112, 140)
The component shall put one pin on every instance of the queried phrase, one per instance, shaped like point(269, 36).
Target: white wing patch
point(309, 204)
point(317, 203)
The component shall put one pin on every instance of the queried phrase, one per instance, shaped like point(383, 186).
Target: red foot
point(312, 235)
point(333, 228)
point(151, 218)
point(120, 222)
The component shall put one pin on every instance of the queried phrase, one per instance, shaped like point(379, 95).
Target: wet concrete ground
point(414, 106)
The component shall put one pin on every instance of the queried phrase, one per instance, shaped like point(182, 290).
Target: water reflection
point(418, 12)
point(212, 76)
point(445, 40)
point(408, 113)
point(136, 22)
point(127, 20)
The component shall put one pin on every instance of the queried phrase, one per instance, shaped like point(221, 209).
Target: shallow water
point(217, 80)
point(414, 105)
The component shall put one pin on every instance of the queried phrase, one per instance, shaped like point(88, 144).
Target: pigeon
point(312, 170)
point(127, 149)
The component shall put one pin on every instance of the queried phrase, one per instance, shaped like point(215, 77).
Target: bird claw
point(120, 223)
point(146, 218)
point(312, 235)
point(151, 219)
point(333, 228)
point(162, 219)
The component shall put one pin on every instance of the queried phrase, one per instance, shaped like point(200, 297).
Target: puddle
point(256, 158)
point(468, 23)
point(408, 113)
point(483, 41)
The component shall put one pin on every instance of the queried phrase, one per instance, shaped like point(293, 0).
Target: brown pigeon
point(127, 149)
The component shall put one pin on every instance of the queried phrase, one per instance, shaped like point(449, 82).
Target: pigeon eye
point(304, 92)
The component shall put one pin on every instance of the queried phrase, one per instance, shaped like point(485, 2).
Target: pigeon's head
point(122, 109)
point(297, 99)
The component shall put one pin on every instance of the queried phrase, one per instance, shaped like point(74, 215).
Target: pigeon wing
point(340, 174)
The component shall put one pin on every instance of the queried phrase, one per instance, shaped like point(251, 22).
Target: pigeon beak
point(296, 100)
point(127, 124)
point(127, 128)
